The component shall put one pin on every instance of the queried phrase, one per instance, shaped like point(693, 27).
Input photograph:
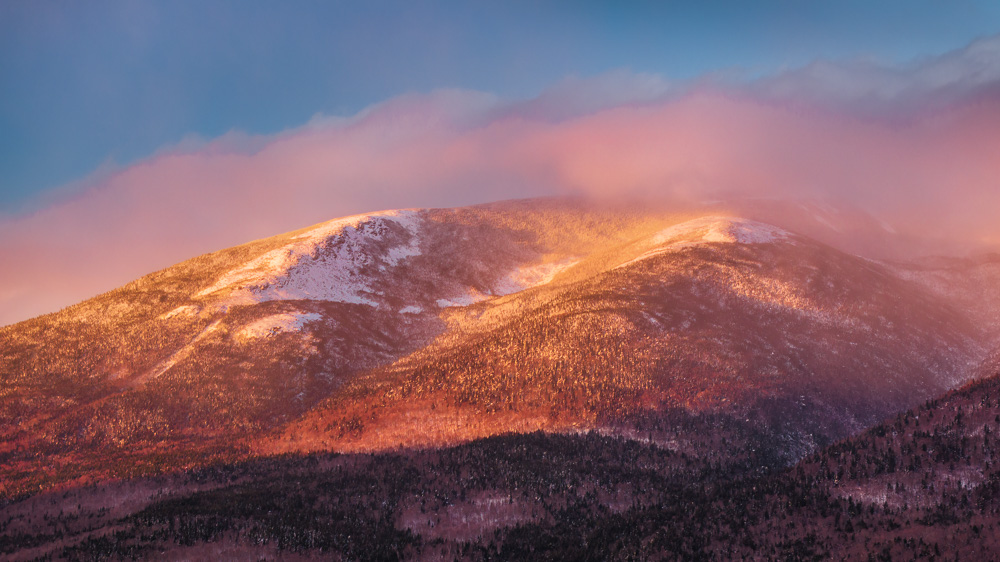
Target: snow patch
point(276, 324)
point(518, 280)
point(712, 229)
point(533, 276)
point(325, 263)
point(472, 297)
point(719, 229)
point(409, 221)
point(397, 253)
point(178, 356)
point(412, 309)
point(183, 310)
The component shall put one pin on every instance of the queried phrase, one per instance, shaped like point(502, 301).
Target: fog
point(915, 145)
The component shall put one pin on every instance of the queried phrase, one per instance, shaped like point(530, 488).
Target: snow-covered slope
point(336, 261)
point(364, 258)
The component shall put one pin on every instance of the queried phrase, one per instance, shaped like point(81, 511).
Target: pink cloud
point(937, 172)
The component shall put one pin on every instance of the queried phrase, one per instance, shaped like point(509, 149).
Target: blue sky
point(86, 85)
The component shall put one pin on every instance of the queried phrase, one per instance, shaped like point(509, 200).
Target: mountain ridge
point(638, 311)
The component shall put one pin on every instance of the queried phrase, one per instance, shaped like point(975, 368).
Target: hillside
point(922, 485)
point(969, 283)
point(434, 327)
point(714, 315)
point(186, 364)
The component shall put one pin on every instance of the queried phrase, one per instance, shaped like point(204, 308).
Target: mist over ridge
point(913, 145)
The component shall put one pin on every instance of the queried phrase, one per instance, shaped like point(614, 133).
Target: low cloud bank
point(916, 145)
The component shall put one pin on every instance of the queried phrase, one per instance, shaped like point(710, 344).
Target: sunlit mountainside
point(713, 341)
point(712, 315)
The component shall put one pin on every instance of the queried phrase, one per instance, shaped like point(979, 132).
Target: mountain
point(718, 335)
point(711, 315)
point(525, 379)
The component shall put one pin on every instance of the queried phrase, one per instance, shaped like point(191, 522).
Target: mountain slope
point(922, 485)
point(711, 315)
point(199, 357)
point(970, 284)
point(427, 327)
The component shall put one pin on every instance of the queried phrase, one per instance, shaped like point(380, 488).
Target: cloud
point(811, 132)
point(874, 88)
